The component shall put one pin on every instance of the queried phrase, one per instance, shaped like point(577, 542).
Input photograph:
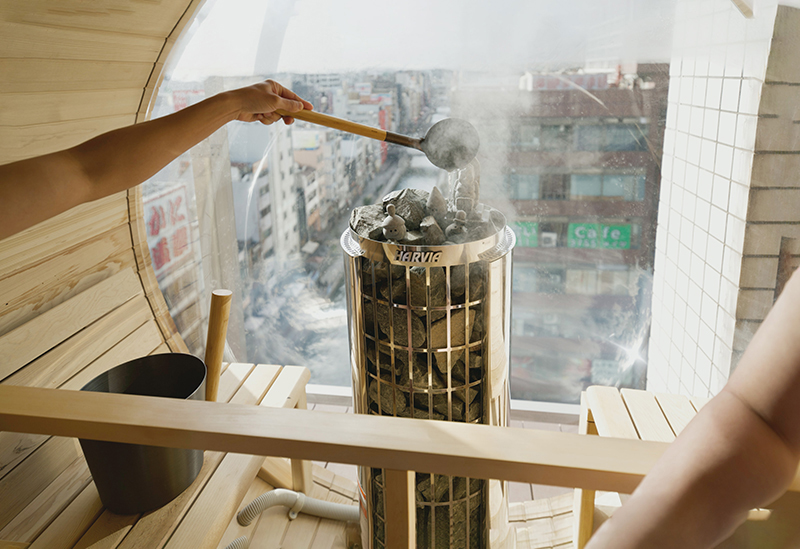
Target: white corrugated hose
point(297, 502)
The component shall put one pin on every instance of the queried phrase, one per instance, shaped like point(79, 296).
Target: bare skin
point(741, 451)
point(38, 188)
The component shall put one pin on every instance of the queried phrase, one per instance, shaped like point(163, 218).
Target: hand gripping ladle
point(449, 144)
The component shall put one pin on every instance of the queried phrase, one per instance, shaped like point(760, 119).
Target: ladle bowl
point(449, 144)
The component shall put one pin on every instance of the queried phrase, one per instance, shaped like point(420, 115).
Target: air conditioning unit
point(548, 240)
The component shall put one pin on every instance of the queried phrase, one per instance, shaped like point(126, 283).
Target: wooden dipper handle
point(215, 341)
point(337, 123)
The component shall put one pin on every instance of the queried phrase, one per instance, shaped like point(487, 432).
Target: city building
point(577, 158)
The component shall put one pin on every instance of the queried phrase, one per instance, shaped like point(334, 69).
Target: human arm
point(741, 451)
point(38, 188)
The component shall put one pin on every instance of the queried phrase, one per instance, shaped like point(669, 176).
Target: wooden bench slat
point(647, 416)
point(331, 533)
point(68, 527)
point(40, 512)
point(27, 480)
point(82, 507)
point(206, 521)
point(15, 447)
point(609, 412)
point(677, 409)
point(4, 544)
point(107, 531)
point(36, 337)
point(583, 500)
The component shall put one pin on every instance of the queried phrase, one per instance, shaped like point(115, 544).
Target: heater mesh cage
point(424, 344)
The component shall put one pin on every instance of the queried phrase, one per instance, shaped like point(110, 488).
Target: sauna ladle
point(449, 144)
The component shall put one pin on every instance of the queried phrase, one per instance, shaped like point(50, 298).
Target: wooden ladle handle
point(215, 340)
point(337, 123)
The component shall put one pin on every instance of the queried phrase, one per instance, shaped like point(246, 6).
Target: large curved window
point(570, 100)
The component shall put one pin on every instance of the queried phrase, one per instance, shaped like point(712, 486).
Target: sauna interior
point(646, 157)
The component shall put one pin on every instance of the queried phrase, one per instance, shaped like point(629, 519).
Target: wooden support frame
point(401, 532)
point(468, 450)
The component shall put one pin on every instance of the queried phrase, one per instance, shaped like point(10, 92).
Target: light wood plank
point(677, 409)
point(236, 530)
point(302, 530)
point(46, 284)
point(40, 512)
point(302, 480)
point(271, 528)
point(401, 530)
point(206, 521)
point(35, 74)
point(277, 472)
point(21, 142)
point(14, 447)
point(25, 109)
point(63, 231)
point(148, 18)
point(154, 529)
point(62, 362)
point(26, 41)
point(647, 416)
point(286, 391)
point(475, 451)
point(137, 344)
point(27, 480)
point(148, 279)
point(4, 544)
point(107, 531)
point(609, 413)
point(23, 344)
point(583, 500)
point(65, 531)
point(333, 533)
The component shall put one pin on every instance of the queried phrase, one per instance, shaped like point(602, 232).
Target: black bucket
point(134, 478)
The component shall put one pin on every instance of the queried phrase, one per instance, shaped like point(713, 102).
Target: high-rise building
point(576, 157)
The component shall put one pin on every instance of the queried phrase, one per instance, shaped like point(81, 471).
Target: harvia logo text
point(418, 257)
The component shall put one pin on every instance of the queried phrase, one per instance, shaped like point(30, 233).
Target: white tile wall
point(717, 71)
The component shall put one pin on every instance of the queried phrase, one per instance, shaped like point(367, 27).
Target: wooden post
point(302, 481)
point(215, 341)
point(583, 507)
point(401, 518)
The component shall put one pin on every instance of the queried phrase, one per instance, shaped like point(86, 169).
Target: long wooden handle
point(215, 340)
point(337, 124)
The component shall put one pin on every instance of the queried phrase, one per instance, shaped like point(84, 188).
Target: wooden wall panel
point(33, 40)
point(77, 292)
point(44, 285)
point(148, 18)
point(23, 344)
point(36, 75)
point(62, 232)
point(23, 142)
point(27, 109)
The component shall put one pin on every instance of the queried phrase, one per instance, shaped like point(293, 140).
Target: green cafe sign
point(596, 235)
point(527, 233)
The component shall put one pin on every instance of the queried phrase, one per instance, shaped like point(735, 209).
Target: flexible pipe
point(297, 502)
point(238, 543)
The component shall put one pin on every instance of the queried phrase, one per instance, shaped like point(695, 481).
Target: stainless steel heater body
point(429, 337)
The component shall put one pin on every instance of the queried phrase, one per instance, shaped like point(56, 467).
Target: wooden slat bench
point(50, 502)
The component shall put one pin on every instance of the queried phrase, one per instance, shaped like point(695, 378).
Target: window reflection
point(570, 152)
